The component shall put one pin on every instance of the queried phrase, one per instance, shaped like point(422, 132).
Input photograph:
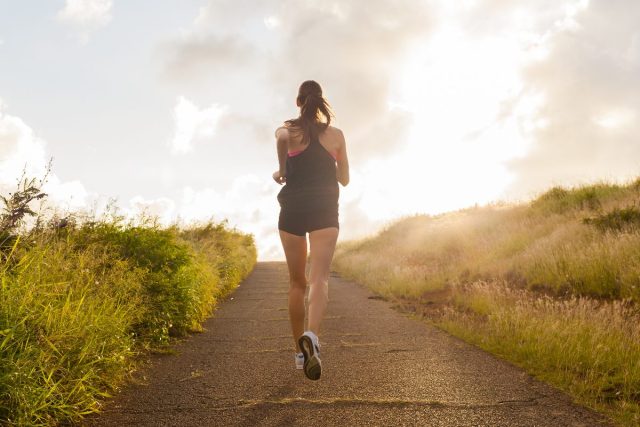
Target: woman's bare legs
point(322, 245)
point(295, 250)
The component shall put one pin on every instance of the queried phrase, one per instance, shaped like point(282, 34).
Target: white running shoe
point(310, 347)
point(299, 360)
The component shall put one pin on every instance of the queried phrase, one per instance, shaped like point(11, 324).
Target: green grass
point(568, 265)
point(79, 303)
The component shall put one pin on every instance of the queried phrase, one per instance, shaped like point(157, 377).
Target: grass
point(80, 301)
point(589, 348)
point(552, 245)
point(552, 285)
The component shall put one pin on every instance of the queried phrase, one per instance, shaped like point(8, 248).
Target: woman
point(313, 158)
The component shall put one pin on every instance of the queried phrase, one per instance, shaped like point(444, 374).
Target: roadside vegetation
point(82, 298)
point(552, 285)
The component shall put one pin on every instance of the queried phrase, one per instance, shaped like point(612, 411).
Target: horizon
point(443, 106)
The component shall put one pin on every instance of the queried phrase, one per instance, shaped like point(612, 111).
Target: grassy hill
point(82, 298)
point(552, 285)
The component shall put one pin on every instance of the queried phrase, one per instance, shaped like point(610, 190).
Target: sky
point(169, 108)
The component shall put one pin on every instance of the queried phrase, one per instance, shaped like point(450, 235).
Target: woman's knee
point(296, 283)
point(321, 287)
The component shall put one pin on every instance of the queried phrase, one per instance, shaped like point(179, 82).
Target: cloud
point(86, 16)
point(198, 55)
point(22, 150)
point(249, 203)
point(267, 48)
point(443, 103)
point(590, 82)
point(353, 50)
point(162, 208)
point(192, 124)
point(251, 56)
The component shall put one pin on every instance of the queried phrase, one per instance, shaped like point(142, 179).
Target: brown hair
point(315, 112)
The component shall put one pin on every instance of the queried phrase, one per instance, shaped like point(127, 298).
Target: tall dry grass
point(589, 348)
point(570, 260)
point(548, 245)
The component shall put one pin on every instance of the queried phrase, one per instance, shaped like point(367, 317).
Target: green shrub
point(78, 302)
point(619, 220)
point(64, 331)
point(589, 197)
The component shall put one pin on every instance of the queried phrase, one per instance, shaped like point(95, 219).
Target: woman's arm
point(282, 144)
point(342, 171)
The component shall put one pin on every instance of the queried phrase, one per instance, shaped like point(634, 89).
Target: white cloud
point(22, 150)
point(590, 82)
point(70, 195)
point(192, 124)
point(249, 204)
point(271, 22)
point(86, 16)
point(162, 207)
point(366, 41)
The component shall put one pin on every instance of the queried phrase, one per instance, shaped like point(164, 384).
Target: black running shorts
point(301, 222)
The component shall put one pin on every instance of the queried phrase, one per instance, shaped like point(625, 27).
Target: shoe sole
point(312, 366)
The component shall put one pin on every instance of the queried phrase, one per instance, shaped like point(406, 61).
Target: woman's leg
point(322, 245)
point(295, 250)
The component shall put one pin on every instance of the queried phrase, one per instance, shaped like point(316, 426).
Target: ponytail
point(315, 112)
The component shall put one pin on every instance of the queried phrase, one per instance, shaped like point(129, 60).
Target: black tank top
point(311, 180)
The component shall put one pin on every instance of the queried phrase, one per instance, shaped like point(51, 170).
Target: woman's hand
point(279, 178)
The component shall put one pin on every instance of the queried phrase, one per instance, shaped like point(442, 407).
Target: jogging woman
point(312, 156)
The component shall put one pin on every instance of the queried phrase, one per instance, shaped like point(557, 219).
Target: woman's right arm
point(342, 171)
point(282, 144)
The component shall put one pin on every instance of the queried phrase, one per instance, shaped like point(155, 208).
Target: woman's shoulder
point(288, 126)
point(335, 132)
point(282, 131)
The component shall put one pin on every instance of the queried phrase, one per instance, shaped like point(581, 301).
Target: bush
point(589, 197)
point(619, 220)
point(79, 302)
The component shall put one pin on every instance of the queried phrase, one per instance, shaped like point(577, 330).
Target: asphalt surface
point(380, 368)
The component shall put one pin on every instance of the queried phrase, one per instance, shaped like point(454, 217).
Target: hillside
point(552, 285)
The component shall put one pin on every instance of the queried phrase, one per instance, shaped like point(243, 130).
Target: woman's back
point(331, 139)
point(311, 181)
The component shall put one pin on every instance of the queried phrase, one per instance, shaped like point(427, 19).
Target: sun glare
point(457, 89)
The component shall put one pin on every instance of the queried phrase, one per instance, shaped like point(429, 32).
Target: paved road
point(380, 368)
